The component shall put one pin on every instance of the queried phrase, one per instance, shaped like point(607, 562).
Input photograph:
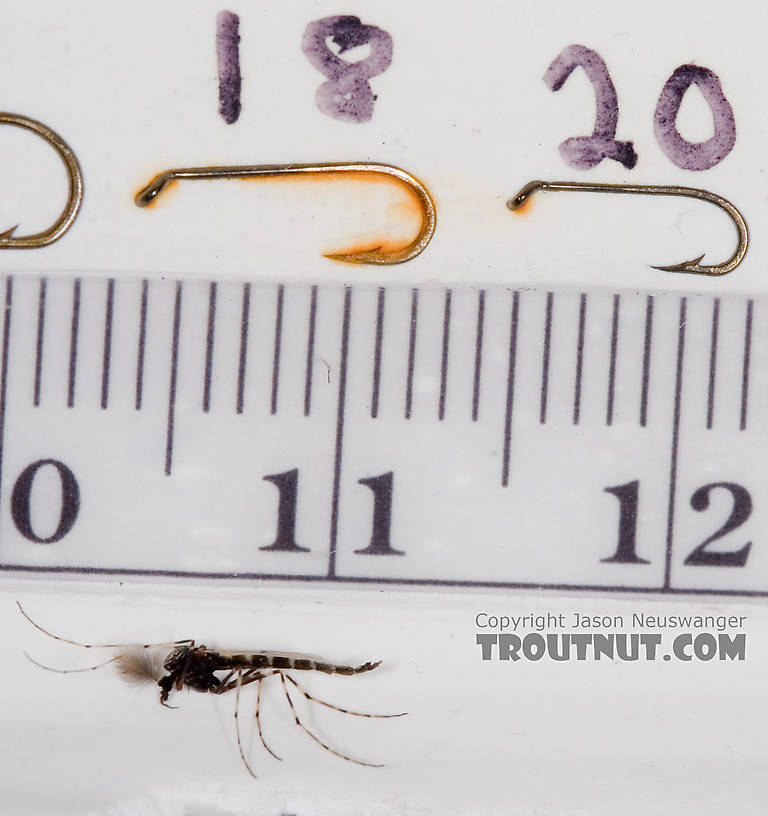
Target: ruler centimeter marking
point(675, 441)
point(508, 366)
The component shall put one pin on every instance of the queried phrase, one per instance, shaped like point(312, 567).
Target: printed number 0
point(20, 498)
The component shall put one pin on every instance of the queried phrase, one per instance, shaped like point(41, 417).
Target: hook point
point(686, 266)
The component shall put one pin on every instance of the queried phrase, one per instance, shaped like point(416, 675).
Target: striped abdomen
point(259, 660)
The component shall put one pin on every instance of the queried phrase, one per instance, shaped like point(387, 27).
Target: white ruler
point(460, 437)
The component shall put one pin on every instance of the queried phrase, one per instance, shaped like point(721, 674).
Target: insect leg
point(248, 676)
point(314, 737)
point(237, 723)
point(243, 679)
point(258, 719)
point(338, 708)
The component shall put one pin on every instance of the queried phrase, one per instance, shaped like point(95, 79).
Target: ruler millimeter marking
point(562, 439)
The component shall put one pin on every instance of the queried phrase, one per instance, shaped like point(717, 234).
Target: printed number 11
point(287, 485)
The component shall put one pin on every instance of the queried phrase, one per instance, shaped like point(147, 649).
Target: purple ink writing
point(228, 63)
point(694, 155)
point(586, 152)
point(347, 95)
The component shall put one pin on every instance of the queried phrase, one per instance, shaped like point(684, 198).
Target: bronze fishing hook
point(694, 266)
point(75, 174)
point(375, 255)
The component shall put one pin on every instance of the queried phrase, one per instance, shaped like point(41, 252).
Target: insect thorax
point(192, 667)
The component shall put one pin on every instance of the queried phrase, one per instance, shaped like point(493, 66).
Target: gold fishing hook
point(693, 265)
point(75, 174)
point(375, 255)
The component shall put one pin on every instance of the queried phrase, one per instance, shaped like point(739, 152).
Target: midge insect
point(217, 671)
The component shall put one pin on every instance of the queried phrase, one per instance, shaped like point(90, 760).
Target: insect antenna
point(338, 708)
point(186, 641)
point(315, 737)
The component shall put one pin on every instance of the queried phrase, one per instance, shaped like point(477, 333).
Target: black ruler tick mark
point(646, 361)
point(411, 352)
point(579, 358)
point(377, 352)
point(478, 354)
point(713, 362)
point(310, 351)
point(276, 356)
point(172, 384)
point(545, 360)
point(745, 365)
point(675, 442)
point(4, 364)
point(142, 343)
point(612, 365)
point(339, 432)
point(510, 389)
point(244, 319)
point(40, 337)
point(107, 349)
point(209, 339)
point(73, 343)
point(444, 357)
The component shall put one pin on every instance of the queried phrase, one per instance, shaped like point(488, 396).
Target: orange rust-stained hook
point(75, 174)
point(375, 255)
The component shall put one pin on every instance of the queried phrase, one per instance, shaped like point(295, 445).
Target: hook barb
point(374, 255)
point(40, 239)
point(694, 266)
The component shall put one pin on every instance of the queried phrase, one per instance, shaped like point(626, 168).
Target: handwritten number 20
point(586, 152)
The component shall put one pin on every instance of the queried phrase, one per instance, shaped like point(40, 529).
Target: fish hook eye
point(694, 266)
point(40, 239)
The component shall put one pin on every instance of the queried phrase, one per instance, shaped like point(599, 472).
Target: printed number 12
point(700, 556)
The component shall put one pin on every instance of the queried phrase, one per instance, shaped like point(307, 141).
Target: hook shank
point(374, 255)
point(68, 215)
point(693, 266)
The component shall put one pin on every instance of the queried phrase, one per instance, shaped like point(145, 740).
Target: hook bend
point(375, 255)
point(693, 266)
point(40, 239)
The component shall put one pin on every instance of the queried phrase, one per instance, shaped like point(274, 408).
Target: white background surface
point(134, 91)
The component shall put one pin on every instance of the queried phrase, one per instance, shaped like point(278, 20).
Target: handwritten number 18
point(347, 95)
